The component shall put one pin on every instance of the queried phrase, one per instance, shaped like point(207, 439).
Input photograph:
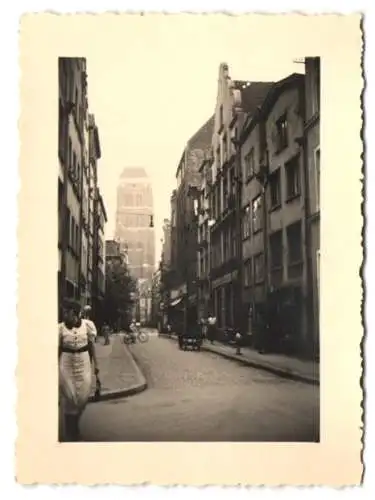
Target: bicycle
point(132, 338)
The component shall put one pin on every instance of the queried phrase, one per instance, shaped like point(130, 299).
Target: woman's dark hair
point(72, 305)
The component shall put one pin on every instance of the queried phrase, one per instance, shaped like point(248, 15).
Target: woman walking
point(76, 355)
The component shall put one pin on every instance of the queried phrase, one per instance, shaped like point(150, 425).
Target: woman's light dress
point(75, 375)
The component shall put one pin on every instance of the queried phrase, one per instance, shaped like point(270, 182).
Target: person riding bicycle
point(133, 330)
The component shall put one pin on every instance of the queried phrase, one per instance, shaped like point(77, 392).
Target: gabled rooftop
point(252, 93)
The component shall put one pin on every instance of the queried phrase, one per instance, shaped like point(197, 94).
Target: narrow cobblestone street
point(200, 396)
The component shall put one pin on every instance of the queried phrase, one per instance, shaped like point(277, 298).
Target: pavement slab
point(119, 373)
point(279, 364)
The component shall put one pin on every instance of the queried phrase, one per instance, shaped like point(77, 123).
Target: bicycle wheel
point(143, 337)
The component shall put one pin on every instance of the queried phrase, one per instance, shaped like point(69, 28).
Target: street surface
point(200, 396)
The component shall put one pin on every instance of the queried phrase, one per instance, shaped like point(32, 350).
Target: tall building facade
point(79, 197)
point(274, 204)
point(236, 100)
point(184, 305)
point(134, 222)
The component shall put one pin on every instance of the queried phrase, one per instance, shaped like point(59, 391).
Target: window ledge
point(249, 178)
point(276, 268)
point(293, 197)
point(314, 217)
point(275, 208)
point(259, 282)
point(295, 263)
point(280, 149)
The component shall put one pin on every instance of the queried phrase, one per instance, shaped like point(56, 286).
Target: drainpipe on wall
point(263, 179)
point(302, 142)
point(238, 183)
point(265, 227)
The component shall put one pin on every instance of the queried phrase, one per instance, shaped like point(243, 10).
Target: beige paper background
point(336, 460)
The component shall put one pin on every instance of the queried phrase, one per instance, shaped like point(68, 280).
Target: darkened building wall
point(78, 153)
point(166, 248)
point(72, 107)
point(97, 221)
point(100, 219)
point(156, 301)
point(312, 159)
point(184, 285)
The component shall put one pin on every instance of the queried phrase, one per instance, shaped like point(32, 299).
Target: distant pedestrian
point(211, 328)
point(77, 359)
point(106, 331)
point(203, 323)
point(238, 339)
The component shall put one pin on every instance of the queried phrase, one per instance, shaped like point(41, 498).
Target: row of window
point(72, 229)
point(74, 166)
point(292, 176)
point(132, 200)
point(135, 220)
point(292, 182)
point(136, 246)
point(292, 188)
point(223, 197)
point(70, 92)
point(70, 80)
point(74, 237)
point(225, 247)
point(225, 148)
point(252, 221)
point(254, 268)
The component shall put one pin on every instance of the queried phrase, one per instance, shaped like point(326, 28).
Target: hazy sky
point(153, 83)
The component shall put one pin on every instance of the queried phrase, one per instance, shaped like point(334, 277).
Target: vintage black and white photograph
point(189, 244)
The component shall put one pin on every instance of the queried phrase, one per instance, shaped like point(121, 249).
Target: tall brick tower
point(133, 231)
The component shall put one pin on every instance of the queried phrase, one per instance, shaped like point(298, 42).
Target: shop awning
point(176, 302)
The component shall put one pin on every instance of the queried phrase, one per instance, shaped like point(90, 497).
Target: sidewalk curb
point(272, 369)
point(261, 366)
point(124, 392)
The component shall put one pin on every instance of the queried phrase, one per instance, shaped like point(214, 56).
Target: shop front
point(224, 300)
point(192, 312)
point(285, 318)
